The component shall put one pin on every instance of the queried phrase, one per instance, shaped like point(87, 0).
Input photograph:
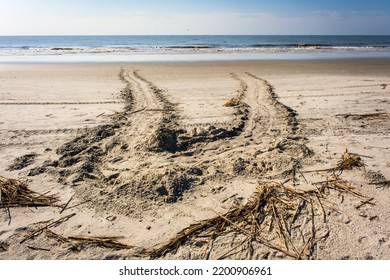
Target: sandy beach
point(197, 160)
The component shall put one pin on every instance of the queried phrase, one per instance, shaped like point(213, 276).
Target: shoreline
point(94, 130)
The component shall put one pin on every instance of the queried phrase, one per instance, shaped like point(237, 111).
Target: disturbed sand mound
point(163, 139)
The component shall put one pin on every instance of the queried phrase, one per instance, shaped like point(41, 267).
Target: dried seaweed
point(340, 185)
point(232, 102)
point(77, 241)
point(349, 161)
point(270, 200)
point(15, 193)
point(56, 223)
point(275, 206)
point(104, 241)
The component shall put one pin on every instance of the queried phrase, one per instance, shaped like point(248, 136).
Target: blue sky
point(268, 17)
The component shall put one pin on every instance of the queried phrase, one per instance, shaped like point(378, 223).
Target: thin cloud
point(141, 22)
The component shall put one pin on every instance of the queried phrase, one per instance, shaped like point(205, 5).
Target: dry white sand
point(149, 149)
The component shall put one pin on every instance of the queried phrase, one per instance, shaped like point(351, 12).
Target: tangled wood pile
point(15, 193)
point(349, 161)
point(272, 218)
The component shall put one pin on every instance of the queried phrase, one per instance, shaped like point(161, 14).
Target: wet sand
point(146, 150)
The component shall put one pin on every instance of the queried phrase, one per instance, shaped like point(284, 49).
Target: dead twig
point(302, 175)
point(53, 224)
point(104, 241)
point(136, 111)
point(66, 205)
point(38, 249)
point(367, 201)
point(317, 170)
point(322, 208)
point(298, 209)
point(81, 203)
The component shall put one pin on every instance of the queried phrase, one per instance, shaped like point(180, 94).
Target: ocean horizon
point(95, 48)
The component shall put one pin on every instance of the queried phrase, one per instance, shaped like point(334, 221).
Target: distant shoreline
point(189, 48)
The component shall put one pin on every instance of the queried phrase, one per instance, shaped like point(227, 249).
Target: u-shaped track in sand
point(118, 157)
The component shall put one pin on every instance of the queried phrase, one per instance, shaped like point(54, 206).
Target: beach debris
point(56, 223)
point(365, 202)
point(66, 205)
point(232, 102)
point(349, 161)
point(103, 241)
point(272, 218)
point(15, 193)
point(76, 242)
point(266, 206)
point(337, 183)
point(38, 248)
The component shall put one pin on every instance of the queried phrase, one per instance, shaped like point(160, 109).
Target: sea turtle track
point(145, 157)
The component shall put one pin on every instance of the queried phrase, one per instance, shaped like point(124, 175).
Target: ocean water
point(159, 48)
